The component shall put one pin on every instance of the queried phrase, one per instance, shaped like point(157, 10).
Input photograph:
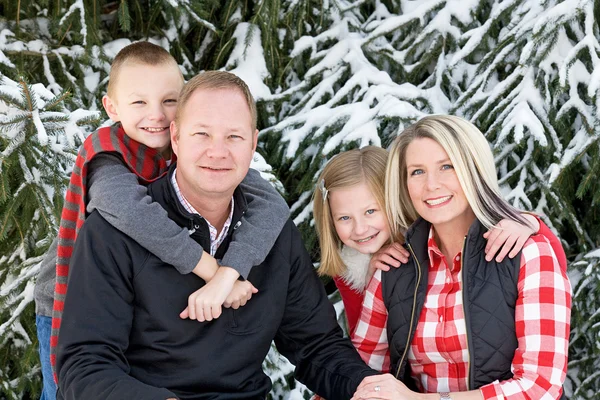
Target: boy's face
point(144, 101)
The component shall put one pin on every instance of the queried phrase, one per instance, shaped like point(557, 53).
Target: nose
point(432, 181)
point(217, 148)
point(360, 226)
point(157, 113)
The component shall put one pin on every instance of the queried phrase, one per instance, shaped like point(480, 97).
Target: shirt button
point(457, 258)
point(441, 318)
point(448, 280)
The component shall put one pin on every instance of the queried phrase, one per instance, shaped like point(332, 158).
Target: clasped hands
point(223, 290)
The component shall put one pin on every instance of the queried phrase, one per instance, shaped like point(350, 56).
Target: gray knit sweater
point(115, 192)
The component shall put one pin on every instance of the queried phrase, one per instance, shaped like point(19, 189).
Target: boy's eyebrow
point(174, 93)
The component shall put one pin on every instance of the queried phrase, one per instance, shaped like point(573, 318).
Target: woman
point(460, 326)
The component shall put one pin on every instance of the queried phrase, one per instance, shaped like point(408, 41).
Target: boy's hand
point(205, 303)
point(390, 255)
point(240, 294)
point(509, 235)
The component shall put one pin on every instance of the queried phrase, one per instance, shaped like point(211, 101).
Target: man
point(122, 335)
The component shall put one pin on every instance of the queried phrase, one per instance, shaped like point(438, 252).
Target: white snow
point(247, 59)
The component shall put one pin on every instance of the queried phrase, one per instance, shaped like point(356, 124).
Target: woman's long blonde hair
point(473, 161)
point(353, 167)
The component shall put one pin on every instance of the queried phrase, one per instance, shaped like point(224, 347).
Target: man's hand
point(205, 303)
point(240, 294)
point(384, 387)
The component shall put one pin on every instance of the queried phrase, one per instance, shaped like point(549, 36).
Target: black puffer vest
point(489, 297)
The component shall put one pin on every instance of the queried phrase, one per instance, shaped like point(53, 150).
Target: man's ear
point(174, 138)
point(109, 107)
point(255, 140)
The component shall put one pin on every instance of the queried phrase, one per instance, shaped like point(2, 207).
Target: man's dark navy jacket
point(122, 338)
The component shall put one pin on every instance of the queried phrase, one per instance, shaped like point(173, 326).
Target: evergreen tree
point(38, 140)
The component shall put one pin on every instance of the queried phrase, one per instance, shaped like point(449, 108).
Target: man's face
point(144, 101)
point(214, 143)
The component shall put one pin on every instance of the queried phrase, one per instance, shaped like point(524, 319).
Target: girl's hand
point(390, 255)
point(240, 294)
point(383, 387)
point(509, 235)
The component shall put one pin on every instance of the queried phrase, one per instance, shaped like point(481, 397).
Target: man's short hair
point(214, 80)
point(144, 53)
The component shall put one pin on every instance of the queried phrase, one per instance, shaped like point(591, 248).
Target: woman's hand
point(509, 237)
point(384, 387)
point(390, 255)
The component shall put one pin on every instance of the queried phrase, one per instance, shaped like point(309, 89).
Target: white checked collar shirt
point(215, 240)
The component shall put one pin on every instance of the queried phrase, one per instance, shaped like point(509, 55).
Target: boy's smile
point(145, 101)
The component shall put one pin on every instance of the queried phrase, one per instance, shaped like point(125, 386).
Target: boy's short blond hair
point(215, 80)
point(143, 53)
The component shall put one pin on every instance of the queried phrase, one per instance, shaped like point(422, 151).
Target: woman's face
point(358, 219)
point(433, 186)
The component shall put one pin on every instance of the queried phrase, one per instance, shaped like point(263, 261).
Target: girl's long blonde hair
point(473, 161)
point(353, 167)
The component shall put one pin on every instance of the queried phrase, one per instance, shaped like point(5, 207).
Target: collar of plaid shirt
point(215, 240)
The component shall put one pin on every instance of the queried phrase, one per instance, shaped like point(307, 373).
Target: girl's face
point(433, 185)
point(358, 218)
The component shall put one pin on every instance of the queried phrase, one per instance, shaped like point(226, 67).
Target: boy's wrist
point(207, 267)
point(227, 273)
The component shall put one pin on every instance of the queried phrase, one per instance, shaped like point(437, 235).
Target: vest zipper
point(462, 271)
point(412, 315)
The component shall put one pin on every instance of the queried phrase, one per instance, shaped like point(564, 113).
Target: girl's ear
point(109, 107)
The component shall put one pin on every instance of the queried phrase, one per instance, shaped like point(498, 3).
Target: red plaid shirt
point(438, 354)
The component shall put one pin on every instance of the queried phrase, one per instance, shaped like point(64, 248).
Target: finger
point(495, 245)
point(508, 245)
point(492, 235)
point(204, 313)
point(185, 313)
point(391, 260)
point(517, 247)
point(192, 307)
point(381, 265)
point(235, 305)
point(216, 311)
point(254, 290)
point(227, 303)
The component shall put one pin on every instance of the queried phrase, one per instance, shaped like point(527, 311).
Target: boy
point(142, 96)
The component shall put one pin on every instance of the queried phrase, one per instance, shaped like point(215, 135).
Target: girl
point(460, 326)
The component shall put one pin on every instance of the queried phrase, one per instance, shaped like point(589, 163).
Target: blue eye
point(417, 172)
point(344, 218)
point(371, 211)
point(447, 166)
point(138, 102)
point(171, 101)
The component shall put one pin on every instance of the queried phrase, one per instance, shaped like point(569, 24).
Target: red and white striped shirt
point(438, 355)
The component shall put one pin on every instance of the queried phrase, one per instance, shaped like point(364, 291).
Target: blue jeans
point(44, 328)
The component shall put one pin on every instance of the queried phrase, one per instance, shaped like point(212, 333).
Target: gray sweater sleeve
point(117, 195)
point(115, 192)
point(260, 226)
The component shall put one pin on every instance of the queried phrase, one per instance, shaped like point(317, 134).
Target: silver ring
point(377, 388)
